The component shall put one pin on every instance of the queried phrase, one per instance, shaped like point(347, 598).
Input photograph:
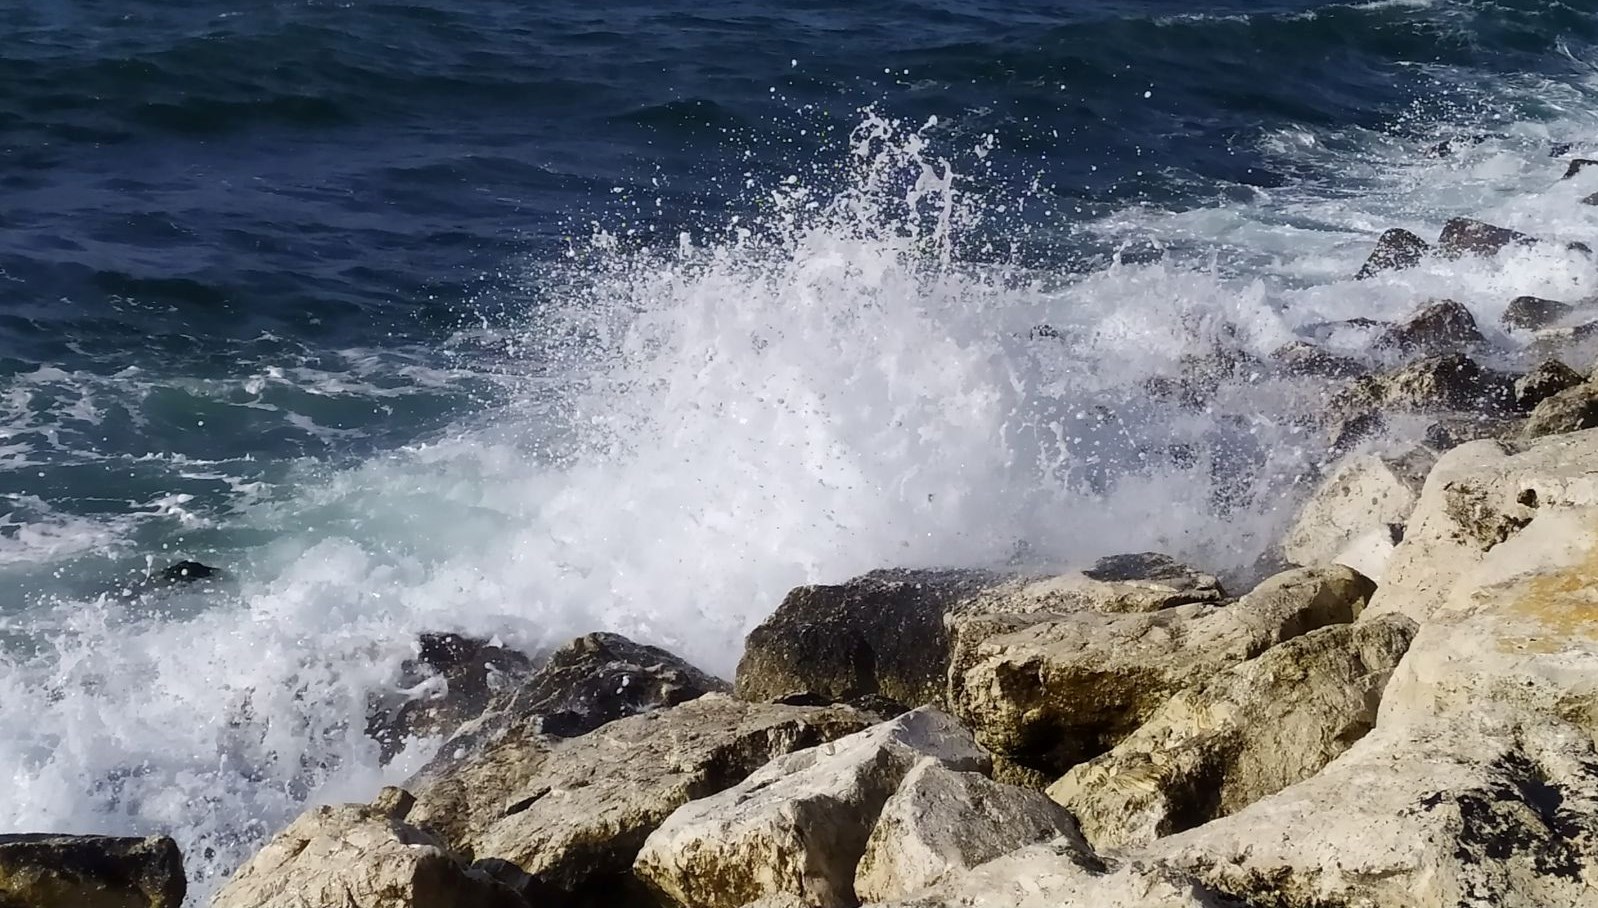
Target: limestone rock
point(449, 682)
point(1441, 326)
point(1477, 498)
point(1239, 736)
point(1053, 690)
point(1363, 493)
point(892, 632)
point(941, 822)
point(1571, 410)
point(1054, 875)
point(1395, 250)
point(1464, 236)
point(360, 856)
point(572, 812)
point(800, 825)
point(1529, 313)
point(87, 871)
point(1547, 379)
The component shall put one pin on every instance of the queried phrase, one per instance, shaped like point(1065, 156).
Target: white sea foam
point(823, 393)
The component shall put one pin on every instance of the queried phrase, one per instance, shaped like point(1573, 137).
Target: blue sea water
point(528, 319)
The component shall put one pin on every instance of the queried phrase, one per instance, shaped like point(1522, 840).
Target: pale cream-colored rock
point(359, 856)
point(799, 825)
point(567, 811)
point(1238, 736)
point(942, 821)
point(1463, 810)
point(1369, 554)
point(1479, 497)
point(1053, 875)
point(890, 632)
point(1061, 688)
point(1364, 493)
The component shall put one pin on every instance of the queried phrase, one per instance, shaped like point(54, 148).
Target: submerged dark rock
point(1577, 166)
point(188, 572)
point(70, 871)
point(1529, 313)
point(1301, 359)
point(451, 681)
point(1395, 250)
point(1465, 236)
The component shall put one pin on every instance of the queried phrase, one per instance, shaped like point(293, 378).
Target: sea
point(528, 319)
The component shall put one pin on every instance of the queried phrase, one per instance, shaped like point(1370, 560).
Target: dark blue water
point(278, 283)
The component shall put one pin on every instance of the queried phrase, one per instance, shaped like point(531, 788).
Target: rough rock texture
point(572, 812)
point(1571, 410)
point(71, 871)
point(942, 821)
point(1590, 200)
point(1395, 250)
point(1464, 236)
point(1054, 875)
point(800, 825)
point(449, 682)
point(891, 632)
point(1450, 432)
point(1548, 378)
point(1302, 358)
point(1438, 384)
point(1239, 736)
point(1058, 689)
point(1441, 326)
point(1529, 313)
point(1478, 497)
point(1364, 493)
point(359, 856)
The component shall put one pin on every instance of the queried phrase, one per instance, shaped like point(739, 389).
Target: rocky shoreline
point(1401, 712)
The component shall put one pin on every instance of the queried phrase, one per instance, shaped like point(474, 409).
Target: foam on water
point(692, 433)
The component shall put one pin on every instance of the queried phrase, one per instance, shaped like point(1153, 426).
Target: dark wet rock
point(1452, 431)
point(1301, 359)
point(1577, 166)
point(1464, 236)
point(1048, 331)
point(600, 678)
point(1441, 326)
point(1437, 384)
point(188, 572)
point(1547, 379)
point(1447, 148)
point(1529, 313)
point(451, 680)
point(1590, 200)
point(1570, 410)
point(1201, 375)
point(1139, 252)
point(71, 871)
point(1560, 149)
point(1395, 250)
point(1578, 246)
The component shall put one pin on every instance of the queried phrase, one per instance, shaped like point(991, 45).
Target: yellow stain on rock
point(1563, 605)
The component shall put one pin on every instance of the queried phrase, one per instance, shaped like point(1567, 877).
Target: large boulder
point(41, 870)
point(1056, 875)
point(1437, 384)
point(1464, 236)
point(1478, 497)
point(1396, 249)
point(572, 812)
point(1051, 690)
point(1301, 359)
point(1570, 410)
point(1364, 494)
point(891, 633)
point(360, 856)
point(450, 681)
point(1239, 736)
point(1529, 313)
point(800, 825)
point(1440, 326)
point(1548, 378)
point(943, 821)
